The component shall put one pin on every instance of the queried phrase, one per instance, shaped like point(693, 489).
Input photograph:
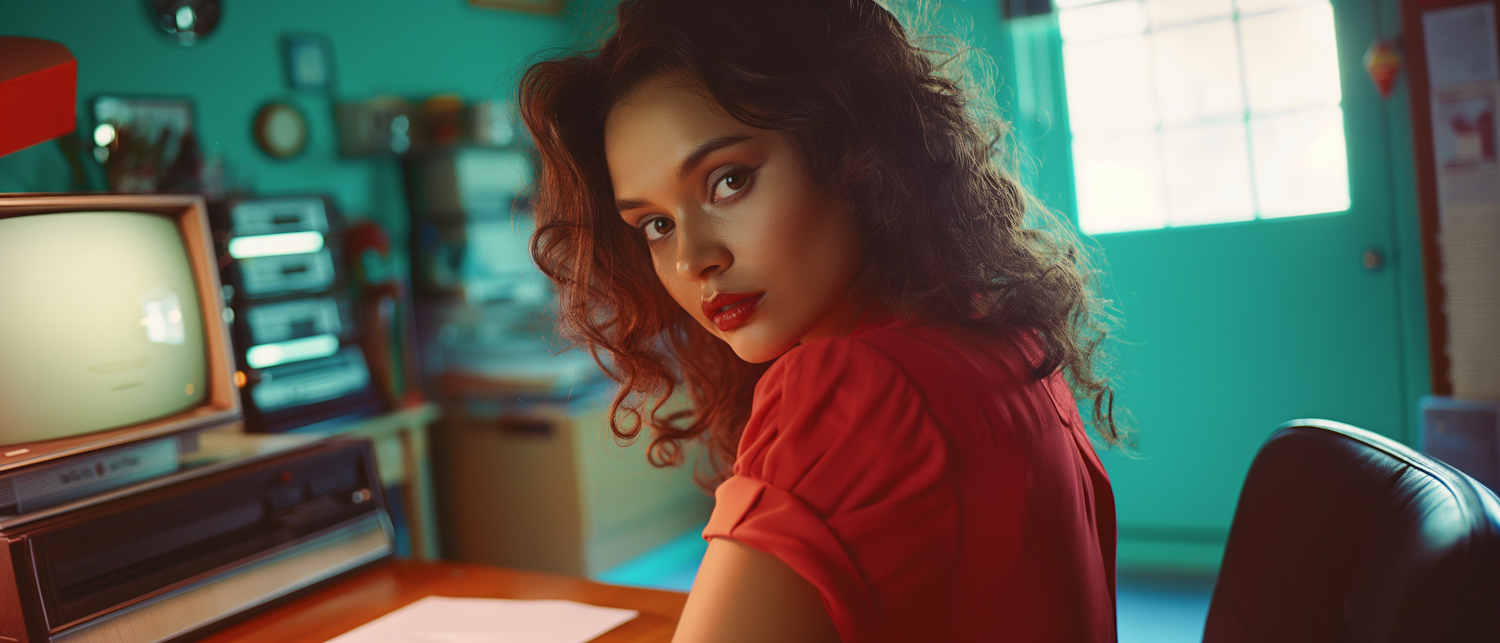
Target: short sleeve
point(843, 475)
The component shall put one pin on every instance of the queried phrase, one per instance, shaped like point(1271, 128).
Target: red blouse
point(929, 487)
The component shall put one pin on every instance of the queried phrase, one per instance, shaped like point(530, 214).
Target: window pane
point(1119, 18)
point(1109, 85)
point(1198, 72)
point(1119, 183)
point(1290, 58)
point(1165, 13)
point(1300, 163)
point(1207, 174)
point(1186, 112)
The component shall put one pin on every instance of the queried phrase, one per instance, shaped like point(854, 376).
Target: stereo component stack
point(295, 330)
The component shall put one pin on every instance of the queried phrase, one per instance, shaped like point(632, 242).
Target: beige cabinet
point(544, 486)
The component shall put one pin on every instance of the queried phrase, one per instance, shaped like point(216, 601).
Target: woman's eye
point(730, 184)
point(657, 227)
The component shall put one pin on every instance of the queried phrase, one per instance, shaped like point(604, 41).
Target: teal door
point(1231, 328)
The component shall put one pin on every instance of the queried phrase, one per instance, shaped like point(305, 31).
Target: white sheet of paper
point(1461, 44)
point(441, 619)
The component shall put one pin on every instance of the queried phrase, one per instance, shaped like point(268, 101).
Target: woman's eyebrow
point(704, 149)
point(689, 163)
point(625, 205)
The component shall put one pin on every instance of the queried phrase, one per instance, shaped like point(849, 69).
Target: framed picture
point(308, 60)
point(547, 7)
point(146, 144)
point(1464, 130)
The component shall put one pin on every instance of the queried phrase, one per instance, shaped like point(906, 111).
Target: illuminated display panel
point(104, 329)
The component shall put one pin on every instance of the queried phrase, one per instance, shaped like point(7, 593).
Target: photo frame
point(146, 143)
point(1464, 130)
point(544, 7)
point(307, 60)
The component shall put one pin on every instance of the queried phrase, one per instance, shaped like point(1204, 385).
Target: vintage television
point(115, 353)
point(114, 349)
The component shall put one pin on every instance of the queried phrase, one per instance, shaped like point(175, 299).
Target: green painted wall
point(1020, 63)
point(1029, 90)
point(415, 49)
point(1206, 452)
point(380, 47)
point(1032, 97)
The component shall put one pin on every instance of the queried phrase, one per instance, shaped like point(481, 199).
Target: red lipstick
point(730, 310)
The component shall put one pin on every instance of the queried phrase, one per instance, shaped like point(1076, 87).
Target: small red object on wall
point(1383, 63)
point(38, 92)
point(385, 314)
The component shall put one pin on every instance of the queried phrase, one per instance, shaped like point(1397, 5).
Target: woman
point(784, 208)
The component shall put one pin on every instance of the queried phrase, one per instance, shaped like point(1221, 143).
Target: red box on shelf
point(38, 92)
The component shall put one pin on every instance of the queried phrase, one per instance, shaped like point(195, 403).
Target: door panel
point(1229, 330)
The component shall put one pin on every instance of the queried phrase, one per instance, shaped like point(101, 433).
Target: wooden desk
point(354, 601)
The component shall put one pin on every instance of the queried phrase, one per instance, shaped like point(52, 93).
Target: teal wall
point(1412, 310)
point(1202, 452)
point(415, 49)
point(1031, 95)
point(1186, 441)
point(380, 47)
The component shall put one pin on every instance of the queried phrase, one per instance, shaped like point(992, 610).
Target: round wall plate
point(281, 130)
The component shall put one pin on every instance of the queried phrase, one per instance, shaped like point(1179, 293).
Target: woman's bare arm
point(746, 595)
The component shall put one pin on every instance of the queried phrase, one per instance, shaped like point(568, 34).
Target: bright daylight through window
point(1186, 112)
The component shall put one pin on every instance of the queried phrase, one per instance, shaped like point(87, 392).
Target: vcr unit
point(176, 556)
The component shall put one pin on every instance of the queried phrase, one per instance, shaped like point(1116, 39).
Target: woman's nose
point(701, 254)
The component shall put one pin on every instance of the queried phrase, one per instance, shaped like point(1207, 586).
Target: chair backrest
point(1344, 535)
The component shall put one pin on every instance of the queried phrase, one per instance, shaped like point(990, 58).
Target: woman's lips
point(730, 310)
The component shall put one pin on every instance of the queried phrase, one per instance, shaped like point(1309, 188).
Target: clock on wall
point(281, 130)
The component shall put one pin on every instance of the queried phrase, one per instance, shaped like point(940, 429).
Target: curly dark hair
point(949, 235)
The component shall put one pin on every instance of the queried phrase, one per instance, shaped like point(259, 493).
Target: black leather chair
point(1344, 535)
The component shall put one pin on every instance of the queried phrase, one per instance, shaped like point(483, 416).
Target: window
point(1186, 112)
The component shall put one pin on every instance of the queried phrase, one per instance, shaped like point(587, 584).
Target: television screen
point(100, 324)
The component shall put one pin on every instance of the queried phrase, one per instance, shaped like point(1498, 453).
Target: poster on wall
point(1463, 62)
point(1461, 45)
point(308, 61)
point(146, 143)
point(1464, 130)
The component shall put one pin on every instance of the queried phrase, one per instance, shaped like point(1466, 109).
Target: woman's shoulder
point(840, 427)
point(843, 369)
point(832, 371)
point(832, 395)
point(854, 354)
point(895, 349)
point(843, 474)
